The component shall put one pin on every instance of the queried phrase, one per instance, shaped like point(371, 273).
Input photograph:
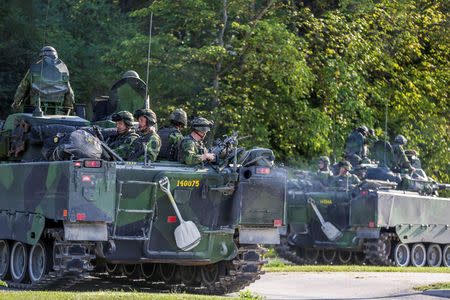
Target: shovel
point(187, 235)
point(332, 233)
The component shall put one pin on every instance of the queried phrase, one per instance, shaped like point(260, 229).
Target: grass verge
point(434, 286)
point(276, 266)
point(102, 295)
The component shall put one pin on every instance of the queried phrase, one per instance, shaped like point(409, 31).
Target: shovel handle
point(164, 184)
point(316, 210)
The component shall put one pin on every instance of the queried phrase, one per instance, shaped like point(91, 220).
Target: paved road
point(345, 285)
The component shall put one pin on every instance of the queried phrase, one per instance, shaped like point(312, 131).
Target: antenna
point(38, 111)
point(147, 99)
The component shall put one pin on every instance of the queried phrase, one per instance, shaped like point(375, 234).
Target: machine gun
point(223, 148)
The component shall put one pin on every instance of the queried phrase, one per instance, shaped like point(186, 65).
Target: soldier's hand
point(208, 156)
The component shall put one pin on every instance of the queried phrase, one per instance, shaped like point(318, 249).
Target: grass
point(102, 295)
point(277, 266)
point(434, 286)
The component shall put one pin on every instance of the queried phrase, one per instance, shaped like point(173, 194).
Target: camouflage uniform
point(190, 151)
point(47, 78)
point(346, 180)
point(151, 141)
point(324, 174)
point(121, 142)
point(400, 160)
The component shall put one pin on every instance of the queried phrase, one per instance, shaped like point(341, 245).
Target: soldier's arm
point(153, 147)
point(404, 159)
point(124, 149)
point(191, 157)
point(22, 90)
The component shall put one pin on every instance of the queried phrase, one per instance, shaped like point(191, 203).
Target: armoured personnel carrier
point(400, 221)
point(63, 218)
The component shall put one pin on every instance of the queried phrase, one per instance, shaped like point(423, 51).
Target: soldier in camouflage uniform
point(171, 136)
point(121, 142)
point(400, 161)
point(191, 150)
point(47, 78)
point(324, 173)
point(149, 140)
point(344, 179)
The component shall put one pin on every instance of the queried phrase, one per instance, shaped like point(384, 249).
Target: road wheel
point(446, 255)
point(328, 256)
point(39, 262)
point(210, 274)
point(168, 272)
point(345, 256)
point(359, 258)
point(148, 271)
point(19, 261)
point(402, 255)
point(189, 276)
point(434, 255)
point(114, 269)
point(418, 255)
point(4, 259)
point(311, 256)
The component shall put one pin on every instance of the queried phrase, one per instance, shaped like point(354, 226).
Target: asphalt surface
point(348, 285)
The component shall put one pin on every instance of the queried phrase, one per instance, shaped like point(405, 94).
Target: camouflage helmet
point(400, 139)
point(201, 124)
point(363, 130)
point(347, 165)
point(325, 160)
point(178, 115)
point(48, 51)
point(130, 73)
point(371, 132)
point(147, 113)
point(124, 116)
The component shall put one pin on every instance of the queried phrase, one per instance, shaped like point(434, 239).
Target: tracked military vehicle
point(64, 220)
point(380, 221)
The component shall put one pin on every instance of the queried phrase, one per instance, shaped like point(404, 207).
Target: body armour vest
point(167, 151)
point(49, 80)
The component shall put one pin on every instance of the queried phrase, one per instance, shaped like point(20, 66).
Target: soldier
point(148, 137)
point(354, 145)
point(121, 142)
point(171, 136)
point(191, 150)
point(47, 78)
point(400, 161)
point(344, 178)
point(324, 173)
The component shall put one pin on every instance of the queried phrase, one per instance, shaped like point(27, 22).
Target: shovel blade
point(332, 233)
point(187, 236)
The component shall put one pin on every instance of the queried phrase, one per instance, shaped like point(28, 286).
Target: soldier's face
point(120, 125)
point(142, 122)
point(321, 165)
point(342, 171)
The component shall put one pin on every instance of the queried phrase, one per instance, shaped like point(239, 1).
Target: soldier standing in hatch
point(400, 161)
point(47, 78)
point(191, 150)
point(324, 173)
point(354, 145)
point(171, 136)
point(149, 140)
point(344, 178)
point(121, 142)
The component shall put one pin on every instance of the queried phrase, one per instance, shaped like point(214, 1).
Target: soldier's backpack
point(77, 144)
point(168, 151)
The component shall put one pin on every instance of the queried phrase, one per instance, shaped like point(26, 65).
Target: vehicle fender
point(21, 226)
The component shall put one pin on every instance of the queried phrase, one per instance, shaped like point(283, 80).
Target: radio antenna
point(147, 97)
point(38, 111)
point(385, 130)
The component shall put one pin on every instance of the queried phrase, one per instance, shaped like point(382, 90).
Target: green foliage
point(351, 268)
point(3, 283)
point(250, 295)
point(296, 76)
point(434, 286)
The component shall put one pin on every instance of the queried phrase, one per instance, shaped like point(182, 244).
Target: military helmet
point(178, 115)
point(400, 139)
point(130, 73)
point(201, 124)
point(347, 165)
point(325, 160)
point(147, 113)
point(48, 51)
point(371, 132)
point(124, 116)
point(363, 130)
